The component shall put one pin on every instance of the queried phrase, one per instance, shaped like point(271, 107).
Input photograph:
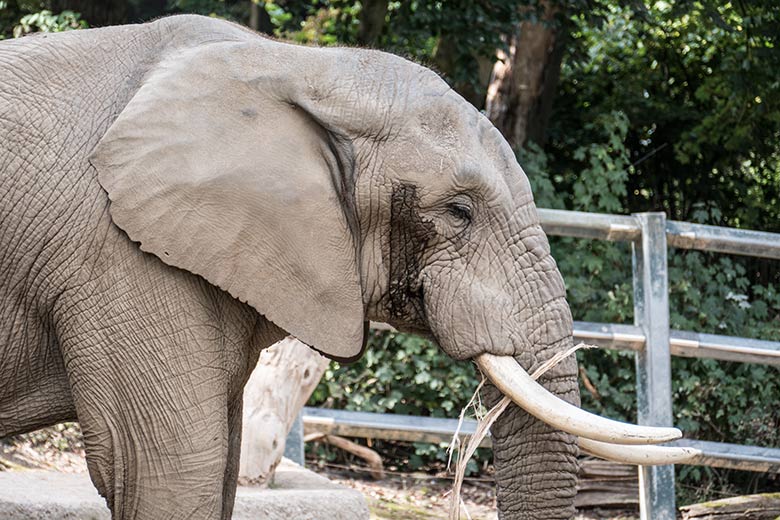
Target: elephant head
point(330, 187)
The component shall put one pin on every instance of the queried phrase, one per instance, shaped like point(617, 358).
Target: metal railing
point(650, 337)
point(410, 428)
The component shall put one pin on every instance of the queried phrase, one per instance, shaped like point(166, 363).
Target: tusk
point(515, 383)
point(640, 455)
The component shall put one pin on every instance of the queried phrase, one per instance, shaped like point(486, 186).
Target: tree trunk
point(524, 81)
point(259, 19)
point(446, 61)
point(254, 16)
point(372, 21)
point(280, 385)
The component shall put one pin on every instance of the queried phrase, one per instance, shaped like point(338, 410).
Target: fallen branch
point(371, 457)
point(586, 382)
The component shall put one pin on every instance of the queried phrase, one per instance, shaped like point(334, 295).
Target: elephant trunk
point(536, 464)
point(535, 439)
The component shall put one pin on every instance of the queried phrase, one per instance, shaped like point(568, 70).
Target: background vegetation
point(612, 106)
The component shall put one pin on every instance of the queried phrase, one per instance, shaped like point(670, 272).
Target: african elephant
point(178, 195)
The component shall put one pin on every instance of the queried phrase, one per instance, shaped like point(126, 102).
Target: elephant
point(178, 195)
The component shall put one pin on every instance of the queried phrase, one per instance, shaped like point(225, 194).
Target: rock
point(296, 493)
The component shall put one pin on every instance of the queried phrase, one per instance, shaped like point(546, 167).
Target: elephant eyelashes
point(460, 211)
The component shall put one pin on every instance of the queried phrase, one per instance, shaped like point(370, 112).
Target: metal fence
point(650, 337)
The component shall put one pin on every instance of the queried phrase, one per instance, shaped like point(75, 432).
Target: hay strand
point(484, 424)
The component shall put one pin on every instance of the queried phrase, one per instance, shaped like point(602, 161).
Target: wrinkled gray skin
point(434, 231)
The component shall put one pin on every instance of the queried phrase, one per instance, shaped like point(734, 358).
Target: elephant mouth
point(605, 438)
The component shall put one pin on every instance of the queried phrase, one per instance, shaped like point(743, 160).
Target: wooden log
point(285, 376)
point(750, 507)
point(371, 457)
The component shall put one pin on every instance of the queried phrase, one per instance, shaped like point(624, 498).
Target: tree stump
point(749, 507)
point(284, 378)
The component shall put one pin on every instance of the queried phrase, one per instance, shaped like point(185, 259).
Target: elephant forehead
point(441, 125)
point(470, 139)
point(450, 127)
point(504, 160)
point(449, 117)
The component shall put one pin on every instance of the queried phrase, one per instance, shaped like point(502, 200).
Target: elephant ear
point(213, 175)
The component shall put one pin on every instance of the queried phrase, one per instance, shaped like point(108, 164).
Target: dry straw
point(484, 422)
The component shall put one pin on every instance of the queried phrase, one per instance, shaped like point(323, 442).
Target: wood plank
point(604, 484)
point(749, 507)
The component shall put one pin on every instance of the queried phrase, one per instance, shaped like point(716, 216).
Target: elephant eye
point(460, 211)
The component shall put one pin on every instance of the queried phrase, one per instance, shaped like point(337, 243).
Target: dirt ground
point(422, 497)
point(416, 496)
point(58, 448)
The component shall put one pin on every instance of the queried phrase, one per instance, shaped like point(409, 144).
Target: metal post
point(653, 364)
point(293, 448)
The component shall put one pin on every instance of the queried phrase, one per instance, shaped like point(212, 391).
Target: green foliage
point(400, 373)
point(19, 17)
point(449, 36)
point(719, 401)
point(279, 17)
point(673, 72)
point(330, 24)
point(9, 17)
point(699, 84)
point(597, 273)
point(404, 374)
point(46, 21)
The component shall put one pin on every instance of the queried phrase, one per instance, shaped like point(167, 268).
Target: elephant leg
point(152, 451)
point(151, 368)
point(235, 412)
point(156, 359)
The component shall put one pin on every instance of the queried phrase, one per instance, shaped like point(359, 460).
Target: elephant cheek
point(472, 318)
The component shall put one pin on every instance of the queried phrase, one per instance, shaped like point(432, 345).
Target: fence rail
point(681, 343)
point(650, 338)
point(410, 428)
point(684, 235)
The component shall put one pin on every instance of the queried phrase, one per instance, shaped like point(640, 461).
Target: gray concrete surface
point(296, 494)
